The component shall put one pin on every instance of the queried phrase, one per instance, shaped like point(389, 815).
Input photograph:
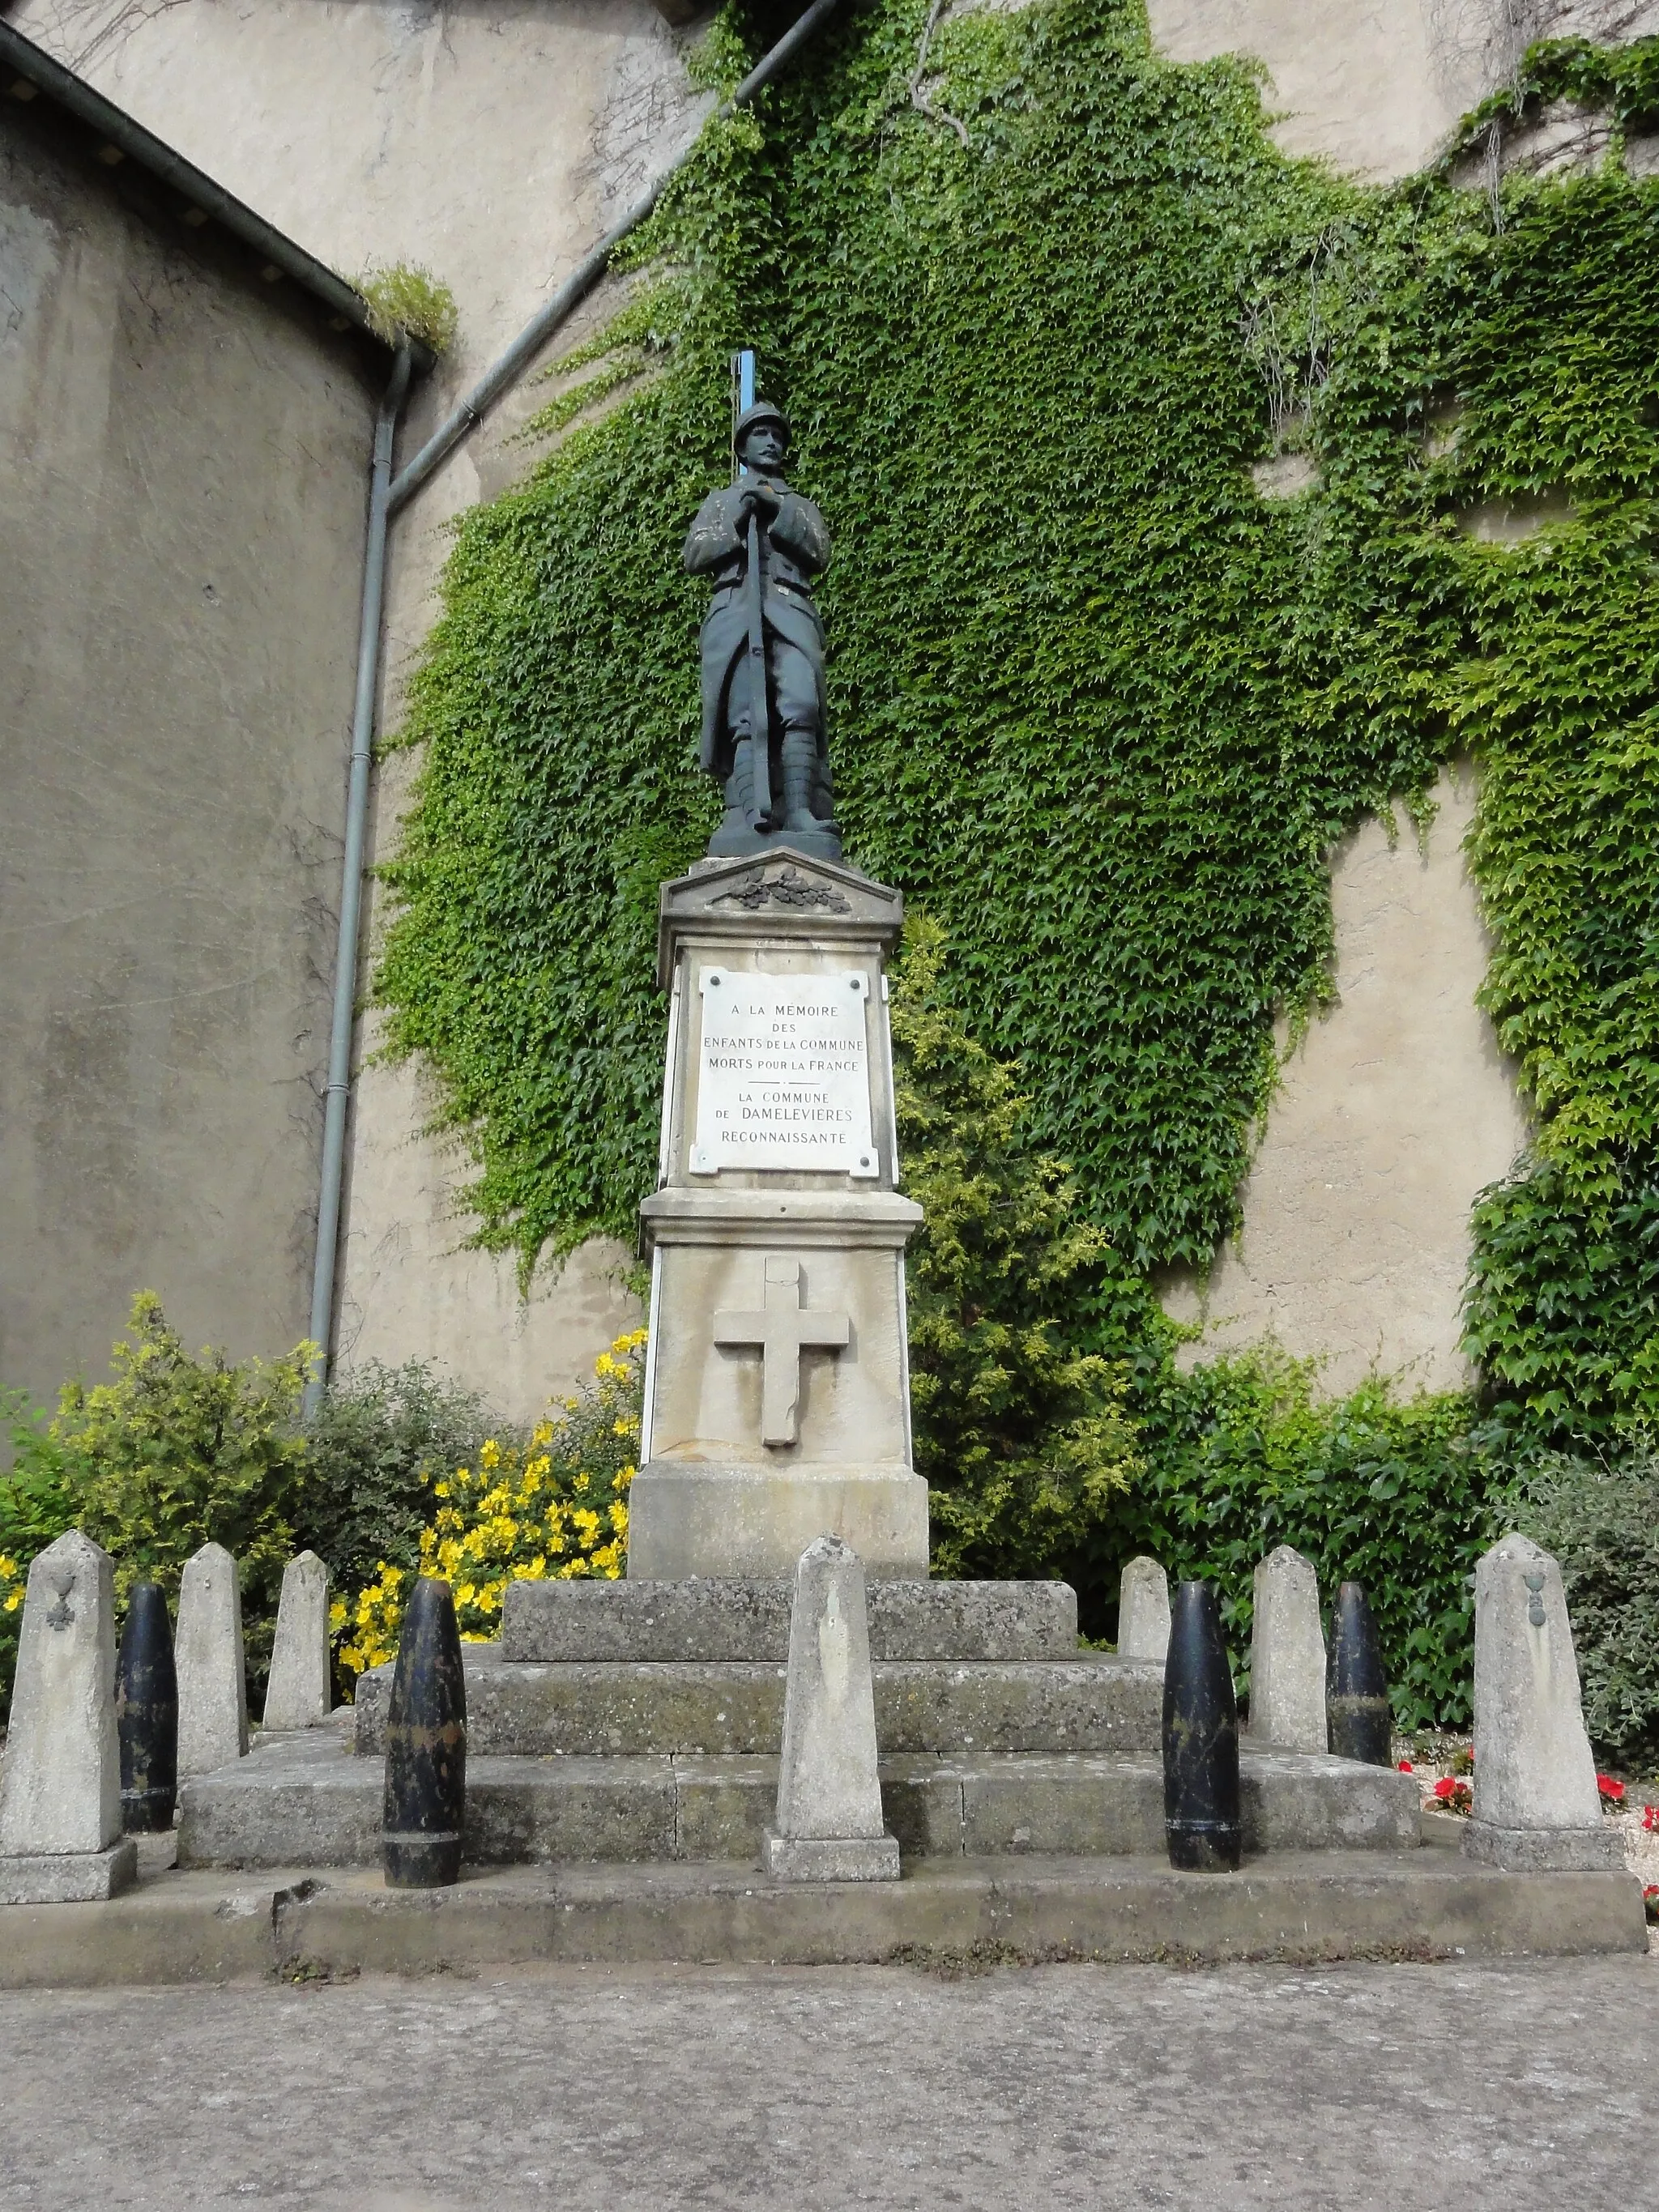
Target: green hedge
point(1243, 1455)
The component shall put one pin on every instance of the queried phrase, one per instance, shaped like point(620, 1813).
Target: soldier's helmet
point(752, 418)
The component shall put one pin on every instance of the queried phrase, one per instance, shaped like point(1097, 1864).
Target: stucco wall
point(1377, 86)
point(182, 488)
point(1393, 1112)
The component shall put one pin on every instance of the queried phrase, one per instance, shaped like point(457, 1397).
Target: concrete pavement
point(1523, 2086)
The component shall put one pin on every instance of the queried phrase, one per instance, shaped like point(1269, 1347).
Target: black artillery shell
point(1201, 1823)
point(147, 1714)
point(426, 1746)
point(1356, 1707)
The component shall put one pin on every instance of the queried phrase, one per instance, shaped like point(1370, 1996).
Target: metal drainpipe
point(338, 1094)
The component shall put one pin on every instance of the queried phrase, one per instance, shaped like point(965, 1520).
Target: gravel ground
point(1520, 2086)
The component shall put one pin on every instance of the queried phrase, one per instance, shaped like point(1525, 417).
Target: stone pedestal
point(1537, 1807)
point(777, 1389)
point(1287, 1654)
point(297, 1694)
point(209, 1659)
point(60, 1803)
point(1142, 1612)
point(830, 1824)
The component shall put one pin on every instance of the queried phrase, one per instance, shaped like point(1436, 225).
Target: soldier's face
point(763, 450)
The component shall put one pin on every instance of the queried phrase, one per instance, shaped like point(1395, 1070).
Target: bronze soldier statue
point(762, 651)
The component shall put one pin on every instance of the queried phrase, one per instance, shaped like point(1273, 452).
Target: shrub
point(181, 1451)
point(1600, 1518)
point(1019, 1429)
point(1242, 1456)
point(555, 1507)
point(405, 300)
point(380, 1439)
point(178, 1451)
point(35, 1508)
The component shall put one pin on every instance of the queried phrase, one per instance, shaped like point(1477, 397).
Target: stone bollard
point(828, 1826)
point(60, 1798)
point(425, 1803)
point(1356, 1688)
point(301, 1674)
point(147, 1714)
point(1287, 1654)
point(1142, 1612)
point(212, 1669)
point(1201, 1824)
point(1537, 1808)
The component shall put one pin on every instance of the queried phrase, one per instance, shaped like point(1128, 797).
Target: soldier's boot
point(740, 788)
point(800, 756)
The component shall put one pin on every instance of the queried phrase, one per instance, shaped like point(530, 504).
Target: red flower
point(1456, 1797)
point(1444, 1787)
point(1613, 1792)
point(1650, 1818)
point(1406, 1767)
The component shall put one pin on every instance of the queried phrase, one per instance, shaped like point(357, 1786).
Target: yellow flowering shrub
point(13, 1577)
point(557, 1507)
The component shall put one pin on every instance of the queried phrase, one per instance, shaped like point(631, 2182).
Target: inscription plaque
point(784, 1083)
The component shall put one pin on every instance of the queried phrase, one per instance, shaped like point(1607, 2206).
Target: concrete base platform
point(723, 1618)
point(304, 1800)
point(177, 1927)
point(731, 1708)
point(68, 1877)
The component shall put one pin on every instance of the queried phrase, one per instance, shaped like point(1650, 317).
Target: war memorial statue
point(763, 652)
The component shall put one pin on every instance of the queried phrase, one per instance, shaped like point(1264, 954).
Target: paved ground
point(1527, 2087)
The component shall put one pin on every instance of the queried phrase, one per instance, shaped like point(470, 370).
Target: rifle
point(760, 721)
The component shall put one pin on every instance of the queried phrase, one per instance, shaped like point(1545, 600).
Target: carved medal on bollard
point(147, 1714)
point(426, 1746)
point(1201, 1824)
point(1360, 1719)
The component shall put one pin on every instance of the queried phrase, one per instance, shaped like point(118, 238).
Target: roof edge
point(22, 57)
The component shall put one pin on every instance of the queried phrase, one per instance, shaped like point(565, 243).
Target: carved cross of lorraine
point(782, 1331)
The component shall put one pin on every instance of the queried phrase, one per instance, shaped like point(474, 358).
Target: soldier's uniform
point(795, 548)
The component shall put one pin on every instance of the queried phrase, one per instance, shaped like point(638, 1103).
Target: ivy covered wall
point(1036, 301)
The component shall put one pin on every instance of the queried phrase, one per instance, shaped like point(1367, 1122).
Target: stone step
point(611, 1709)
point(1304, 1907)
point(716, 1619)
point(304, 1800)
